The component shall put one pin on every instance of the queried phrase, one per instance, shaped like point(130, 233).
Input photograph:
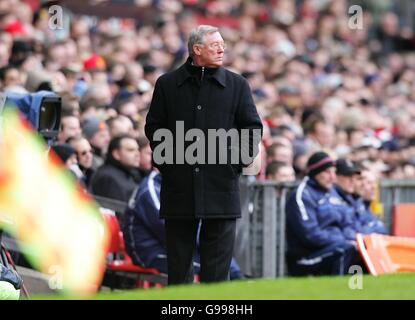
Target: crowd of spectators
point(319, 83)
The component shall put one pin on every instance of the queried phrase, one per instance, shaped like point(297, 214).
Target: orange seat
point(387, 254)
point(118, 259)
point(404, 220)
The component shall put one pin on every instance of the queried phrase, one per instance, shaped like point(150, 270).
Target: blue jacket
point(316, 219)
point(364, 221)
point(143, 230)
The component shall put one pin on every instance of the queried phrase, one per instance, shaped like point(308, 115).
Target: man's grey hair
point(197, 36)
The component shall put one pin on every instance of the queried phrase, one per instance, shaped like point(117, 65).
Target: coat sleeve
point(156, 117)
point(348, 225)
point(366, 222)
point(369, 223)
point(302, 221)
point(248, 120)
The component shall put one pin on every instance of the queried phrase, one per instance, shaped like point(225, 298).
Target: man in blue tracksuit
point(144, 232)
point(320, 236)
point(349, 183)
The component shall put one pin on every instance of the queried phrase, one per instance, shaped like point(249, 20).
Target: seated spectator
point(280, 171)
point(280, 152)
point(365, 193)
point(344, 188)
point(10, 79)
point(70, 105)
point(119, 175)
point(318, 133)
point(144, 232)
point(84, 155)
point(320, 238)
point(97, 134)
point(70, 127)
point(120, 125)
point(67, 155)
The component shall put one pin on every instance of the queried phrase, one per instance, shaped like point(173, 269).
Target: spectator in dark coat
point(119, 175)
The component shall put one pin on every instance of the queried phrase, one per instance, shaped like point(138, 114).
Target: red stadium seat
point(120, 263)
point(387, 254)
point(403, 223)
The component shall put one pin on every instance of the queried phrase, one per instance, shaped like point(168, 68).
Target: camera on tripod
point(42, 109)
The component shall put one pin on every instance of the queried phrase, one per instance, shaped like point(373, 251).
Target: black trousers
point(216, 242)
point(334, 259)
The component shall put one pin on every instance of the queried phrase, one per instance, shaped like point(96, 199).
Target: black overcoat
point(208, 98)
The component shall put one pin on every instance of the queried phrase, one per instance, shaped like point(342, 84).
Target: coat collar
point(313, 183)
point(216, 73)
point(128, 171)
point(345, 196)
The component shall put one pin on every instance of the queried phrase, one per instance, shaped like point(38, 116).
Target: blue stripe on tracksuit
point(143, 230)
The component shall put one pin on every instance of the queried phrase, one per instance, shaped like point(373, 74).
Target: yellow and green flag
point(50, 215)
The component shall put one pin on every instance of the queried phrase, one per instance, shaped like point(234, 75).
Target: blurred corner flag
point(43, 207)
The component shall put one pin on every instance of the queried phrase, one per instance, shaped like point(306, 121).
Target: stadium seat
point(403, 223)
point(120, 263)
point(387, 254)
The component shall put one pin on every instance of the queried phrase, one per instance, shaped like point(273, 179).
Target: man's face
point(123, 125)
point(369, 185)
point(324, 134)
point(70, 128)
point(285, 174)
point(346, 183)
point(128, 153)
point(283, 154)
point(12, 78)
point(145, 158)
point(210, 53)
point(129, 109)
point(326, 178)
point(101, 139)
point(84, 152)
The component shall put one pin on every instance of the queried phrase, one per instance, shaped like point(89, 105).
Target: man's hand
point(353, 242)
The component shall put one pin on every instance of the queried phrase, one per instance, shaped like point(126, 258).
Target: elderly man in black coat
point(192, 108)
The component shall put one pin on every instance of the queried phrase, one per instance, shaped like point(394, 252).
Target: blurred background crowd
point(321, 79)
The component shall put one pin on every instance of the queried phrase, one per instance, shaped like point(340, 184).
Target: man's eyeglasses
point(217, 45)
point(85, 152)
